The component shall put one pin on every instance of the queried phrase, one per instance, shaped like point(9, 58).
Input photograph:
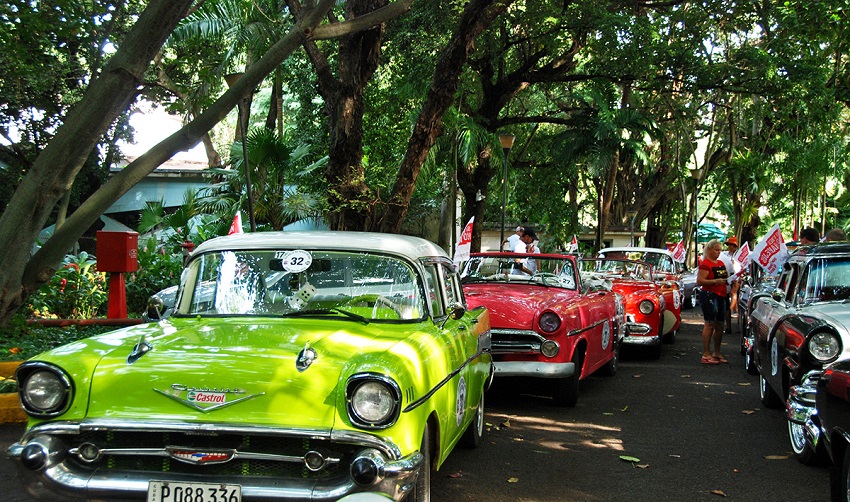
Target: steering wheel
point(378, 301)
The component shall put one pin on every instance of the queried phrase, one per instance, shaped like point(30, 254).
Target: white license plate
point(169, 491)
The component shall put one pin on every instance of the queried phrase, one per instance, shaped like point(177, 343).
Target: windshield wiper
point(350, 315)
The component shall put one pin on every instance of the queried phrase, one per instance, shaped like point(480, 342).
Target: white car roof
point(629, 249)
point(406, 246)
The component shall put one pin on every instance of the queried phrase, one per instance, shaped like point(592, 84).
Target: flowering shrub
point(158, 270)
point(76, 291)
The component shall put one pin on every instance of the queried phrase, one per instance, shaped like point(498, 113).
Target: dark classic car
point(652, 303)
point(829, 428)
point(799, 328)
point(755, 282)
point(295, 366)
point(544, 323)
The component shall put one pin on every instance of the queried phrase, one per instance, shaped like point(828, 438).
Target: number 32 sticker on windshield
point(296, 261)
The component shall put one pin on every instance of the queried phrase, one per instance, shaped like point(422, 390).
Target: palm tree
point(601, 138)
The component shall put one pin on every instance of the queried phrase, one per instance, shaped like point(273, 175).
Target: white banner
point(743, 255)
point(679, 253)
point(770, 253)
point(465, 244)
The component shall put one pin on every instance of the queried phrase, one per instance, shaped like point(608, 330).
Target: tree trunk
point(476, 17)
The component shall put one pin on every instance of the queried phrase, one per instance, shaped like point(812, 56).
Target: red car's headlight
point(549, 322)
point(646, 307)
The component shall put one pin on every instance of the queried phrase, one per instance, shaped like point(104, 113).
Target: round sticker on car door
point(460, 406)
point(606, 335)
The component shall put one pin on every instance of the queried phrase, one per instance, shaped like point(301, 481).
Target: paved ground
point(699, 432)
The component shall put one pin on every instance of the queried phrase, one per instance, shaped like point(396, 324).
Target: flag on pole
point(465, 243)
point(236, 226)
point(771, 252)
point(573, 247)
point(679, 253)
point(743, 255)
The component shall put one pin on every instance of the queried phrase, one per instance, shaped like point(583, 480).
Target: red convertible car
point(653, 305)
point(544, 322)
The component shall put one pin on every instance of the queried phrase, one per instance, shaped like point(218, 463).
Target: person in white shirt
point(513, 240)
point(526, 245)
point(734, 269)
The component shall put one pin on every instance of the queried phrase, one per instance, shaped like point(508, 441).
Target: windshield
point(828, 279)
point(595, 269)
point(528, 268)
point(288, 283)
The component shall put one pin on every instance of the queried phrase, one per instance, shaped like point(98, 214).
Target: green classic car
point(295, 366)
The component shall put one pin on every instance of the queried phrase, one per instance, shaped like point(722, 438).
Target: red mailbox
point(117, 252)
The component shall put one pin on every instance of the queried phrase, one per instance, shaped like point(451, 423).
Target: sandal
point(709, 360)
point(721, 359)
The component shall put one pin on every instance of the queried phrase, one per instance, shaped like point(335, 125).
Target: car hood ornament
point(205, 399)
point(306, 357)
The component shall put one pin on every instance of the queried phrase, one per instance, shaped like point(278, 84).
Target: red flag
point(236, 226)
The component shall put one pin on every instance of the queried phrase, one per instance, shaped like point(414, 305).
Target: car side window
point(451, 284)
point(432, 286)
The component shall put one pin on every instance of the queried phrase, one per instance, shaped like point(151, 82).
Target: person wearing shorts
point(711, 278)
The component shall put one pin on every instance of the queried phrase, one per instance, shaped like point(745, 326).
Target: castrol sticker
point(207, 397)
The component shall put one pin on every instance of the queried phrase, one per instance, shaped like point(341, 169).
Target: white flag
point(573, 247)
point(679, 253)
point(771, 252)
point(465, 244)
point(743, 255)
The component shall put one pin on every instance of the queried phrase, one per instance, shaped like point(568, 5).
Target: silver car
point(801, 326)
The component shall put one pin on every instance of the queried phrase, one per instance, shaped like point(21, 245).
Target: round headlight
point(44, 391)
point(372, 403)
point(646, 307)
point(549, 322)
point(824, 347)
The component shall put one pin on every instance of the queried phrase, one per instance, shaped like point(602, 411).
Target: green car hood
point(232, 370)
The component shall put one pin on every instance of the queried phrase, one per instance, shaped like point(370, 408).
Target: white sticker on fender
point(606, 335)
point(460, 406)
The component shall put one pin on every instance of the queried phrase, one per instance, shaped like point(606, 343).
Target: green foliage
point(76, 291)
point(158, 269)
point(19, 341)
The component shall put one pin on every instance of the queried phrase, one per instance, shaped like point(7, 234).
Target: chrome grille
point(515, 341)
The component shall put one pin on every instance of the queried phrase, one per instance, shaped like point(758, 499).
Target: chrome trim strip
point(582, 330)
point(415, 404)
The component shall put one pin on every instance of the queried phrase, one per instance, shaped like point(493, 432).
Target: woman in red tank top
point(711, 278)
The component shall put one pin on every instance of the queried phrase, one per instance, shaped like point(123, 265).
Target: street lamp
point(507, 142)
point(696, 174)
point(631, 215)
point(243, 118)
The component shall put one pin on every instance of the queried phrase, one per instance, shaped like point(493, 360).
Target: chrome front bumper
point(60, 476)
point(801, 409)
point(638, 333)
point(534, 369)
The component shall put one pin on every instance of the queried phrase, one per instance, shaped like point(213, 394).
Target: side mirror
point(156, 308)
point(457, 311)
